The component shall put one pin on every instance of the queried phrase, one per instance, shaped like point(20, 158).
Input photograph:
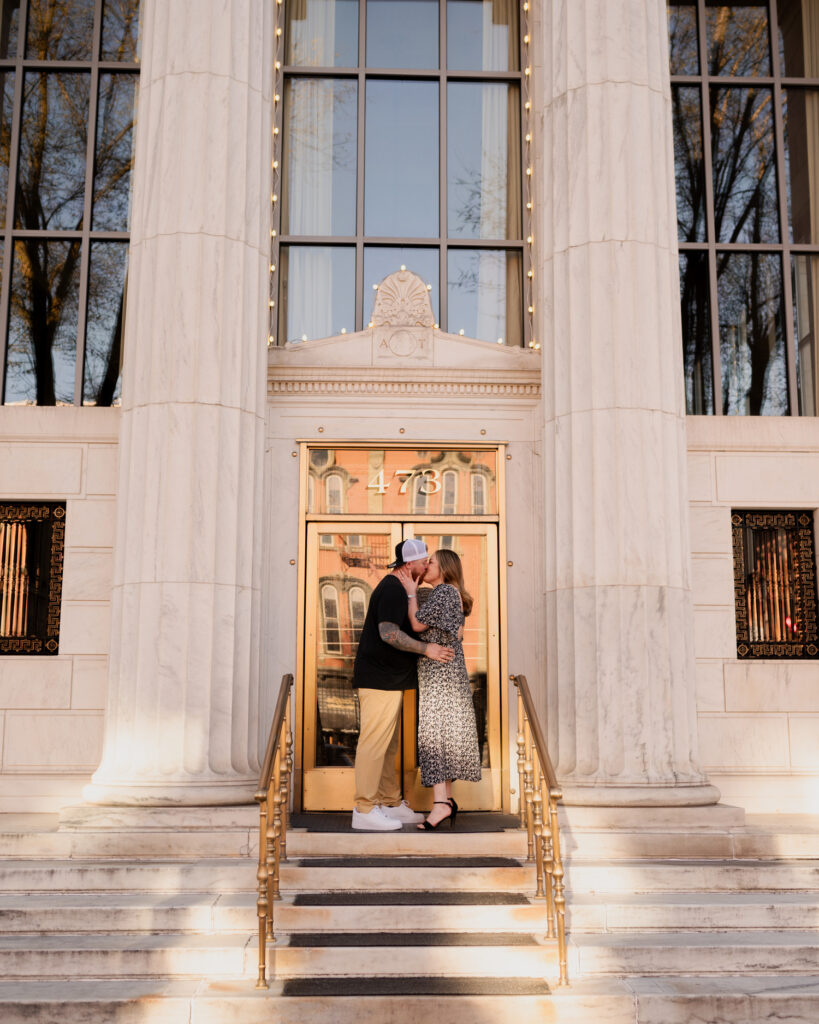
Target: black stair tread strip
point(411, 939)
point(468, 821)
point(415, 986)
point(398, 899)
point(409, 862)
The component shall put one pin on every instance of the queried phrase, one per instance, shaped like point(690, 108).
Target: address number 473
point(429, 481)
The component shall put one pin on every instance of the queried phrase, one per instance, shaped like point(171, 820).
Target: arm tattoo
point(395, 637)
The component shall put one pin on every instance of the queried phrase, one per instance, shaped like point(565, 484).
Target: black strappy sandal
point(425, 825)
point(454, 806)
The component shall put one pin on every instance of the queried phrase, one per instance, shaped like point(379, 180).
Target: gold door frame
point(370, 523)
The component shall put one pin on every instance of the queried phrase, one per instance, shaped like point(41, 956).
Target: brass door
point(344, 563)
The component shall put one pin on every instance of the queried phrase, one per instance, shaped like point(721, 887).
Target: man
point(385, 666)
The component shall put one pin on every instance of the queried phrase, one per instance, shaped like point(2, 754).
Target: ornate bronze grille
point(32, 541)
point(775, 585)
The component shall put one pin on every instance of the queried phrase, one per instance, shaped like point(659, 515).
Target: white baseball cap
point(408, 551)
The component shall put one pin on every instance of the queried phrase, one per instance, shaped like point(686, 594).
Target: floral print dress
point(447, 734)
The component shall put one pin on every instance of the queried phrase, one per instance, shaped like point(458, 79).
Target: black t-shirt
point(379, 665)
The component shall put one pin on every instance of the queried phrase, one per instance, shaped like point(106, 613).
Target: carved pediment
point(402, 300)
point(403, 353)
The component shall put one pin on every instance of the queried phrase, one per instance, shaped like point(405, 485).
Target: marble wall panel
point(89, 683)
point(712, 579)
point(700, 478)
point(41, 470)
point(87, 575)
point(35, 682)
point(61, 742)
point(744, 741)
point(804, 737)
point(101, 475)
point(85, 628)
point(771, 480)
point(769, 792)
point(710, 530)
point(90, 523)
point(715, 633)
point(710, 686)
point(772, 686)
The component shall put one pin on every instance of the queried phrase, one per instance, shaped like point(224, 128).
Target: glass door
point(344, 563)
point(477, 546)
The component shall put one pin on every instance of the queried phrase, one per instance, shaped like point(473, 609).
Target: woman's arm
point(410, 585)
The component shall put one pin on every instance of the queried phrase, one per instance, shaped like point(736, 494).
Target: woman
point(447, 736)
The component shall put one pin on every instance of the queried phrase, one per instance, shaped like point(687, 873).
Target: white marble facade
point(620, 584)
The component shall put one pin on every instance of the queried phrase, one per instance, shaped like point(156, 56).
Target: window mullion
point(711, 239)
point(443, 225)
point(85, 254)
point(11, 192)
point(784, 223)
point(359, 201)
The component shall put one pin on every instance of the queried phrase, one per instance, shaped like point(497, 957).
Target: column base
point(601, 795)
point(204, 793)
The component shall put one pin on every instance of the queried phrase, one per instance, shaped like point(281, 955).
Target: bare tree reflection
point(745, 209)
point(50, 196)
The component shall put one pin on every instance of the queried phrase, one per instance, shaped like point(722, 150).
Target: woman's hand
point(404, 574)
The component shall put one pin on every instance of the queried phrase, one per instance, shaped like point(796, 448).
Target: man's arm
point(396, 637)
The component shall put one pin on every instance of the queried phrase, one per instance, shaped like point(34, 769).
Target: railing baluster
point(262, 905)
point(560, 898)
point(273, 797)
point(528, 790)
point(521, 738)
point(537, 828)
point(539, 796)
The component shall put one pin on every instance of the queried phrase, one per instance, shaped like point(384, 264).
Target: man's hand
point(435, 652)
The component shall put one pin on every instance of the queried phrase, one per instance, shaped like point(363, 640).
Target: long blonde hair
point(453, 572)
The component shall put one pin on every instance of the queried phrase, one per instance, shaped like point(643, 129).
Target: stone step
point(315, 955)
point(654, 1000)
point(695, 953)
point(692, 911)
point(641, 876)
point(225, 876)
point(198, 843)
point(236, 912)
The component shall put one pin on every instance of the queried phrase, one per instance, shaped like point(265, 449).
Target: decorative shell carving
point(402, 300)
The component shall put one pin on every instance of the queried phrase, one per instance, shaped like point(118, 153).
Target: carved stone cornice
point(366, 381)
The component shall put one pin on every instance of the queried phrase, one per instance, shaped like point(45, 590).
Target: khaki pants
point(376, 780)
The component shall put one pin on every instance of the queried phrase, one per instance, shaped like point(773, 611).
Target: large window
point(68, 75)
point(401, 147)
point(775, 584)
point(745, 94)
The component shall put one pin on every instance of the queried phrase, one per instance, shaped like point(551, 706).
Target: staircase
point(150, 916)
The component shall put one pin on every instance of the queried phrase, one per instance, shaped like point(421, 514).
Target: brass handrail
point(538, 787)
point(273, 797)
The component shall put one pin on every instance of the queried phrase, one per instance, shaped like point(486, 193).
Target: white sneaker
point(403, 813)
point(375, 821)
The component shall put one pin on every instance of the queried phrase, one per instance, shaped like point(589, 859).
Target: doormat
point(467, 821)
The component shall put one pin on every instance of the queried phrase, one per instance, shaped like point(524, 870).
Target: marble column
point(181, 725)
point(620, 663)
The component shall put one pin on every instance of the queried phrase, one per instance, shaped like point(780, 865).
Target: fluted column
point(183, 679)
point(620, 643)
